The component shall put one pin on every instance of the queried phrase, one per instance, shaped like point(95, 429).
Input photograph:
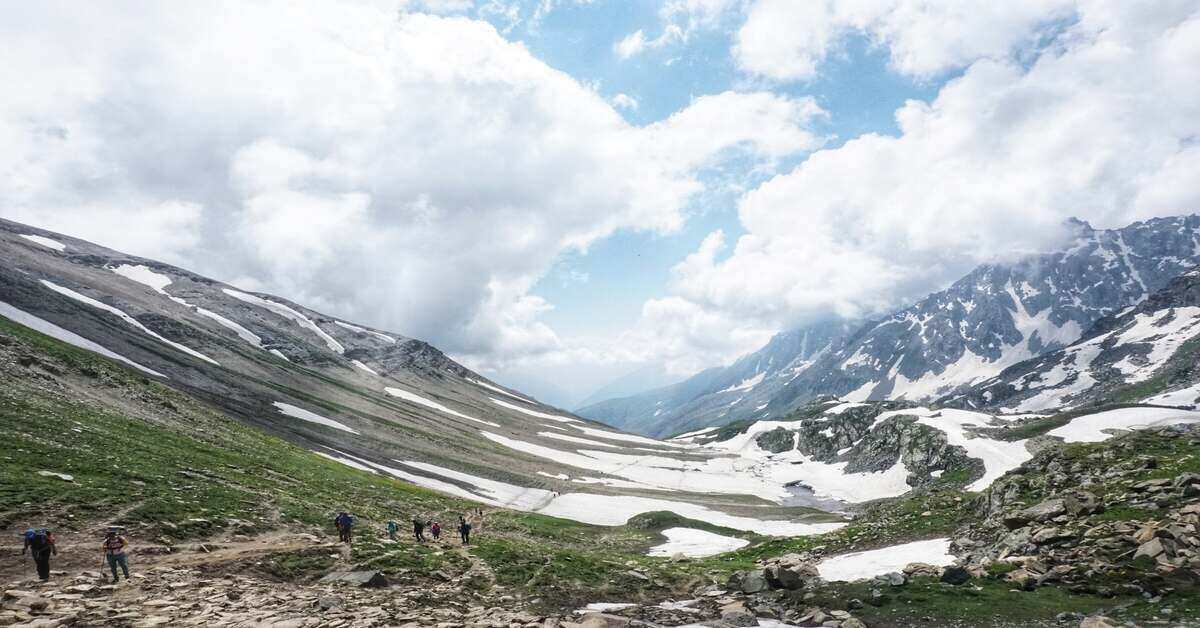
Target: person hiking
point(418, 530)
point(464, 530)
point(435, 529)
point(392, 529)
point(345, 525)
point(114, 552)
point(41, 544)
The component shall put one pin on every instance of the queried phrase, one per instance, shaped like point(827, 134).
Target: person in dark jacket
point(464, 530)
point(41, 544)
point(345, 526)
point(418, 529)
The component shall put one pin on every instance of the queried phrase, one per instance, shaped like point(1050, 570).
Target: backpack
point(38, 539)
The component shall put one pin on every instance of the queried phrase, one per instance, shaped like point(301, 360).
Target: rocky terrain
point(992, 318)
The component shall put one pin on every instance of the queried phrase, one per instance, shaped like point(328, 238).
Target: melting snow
point(346, 461)
point(695, 543)
point(364, 367)
point(145, 276)
point(746, 384)
point(499, 390)
point(312, 417)
point(625, 437)
point(418, 399)
point(615, 510)
point(871, 563)
point(1090, 428)
point(46, 242)
point(288, 313)
point(360, 330)
point(69, 337)
point(1183, 397)
point(127, 318)
point(842, 407)
point(541, 415)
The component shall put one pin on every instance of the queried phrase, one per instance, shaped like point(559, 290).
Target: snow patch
point(143, 275)
point(46, 242)
point(695, 543)
point(871, 563)
point(364, 367)
point(311, 417)
point(541, 415)
point(1091, 428)
point(360, 330)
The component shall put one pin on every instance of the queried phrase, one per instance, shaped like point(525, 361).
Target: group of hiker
point(344, 523)
point(41, 544)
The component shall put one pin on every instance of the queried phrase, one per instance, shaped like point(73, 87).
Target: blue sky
point(622, 272)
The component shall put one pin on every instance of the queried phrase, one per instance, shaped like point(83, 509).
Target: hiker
point(393, 528)
point(464, 530)
point(114, 552)
point(345, 524)
point(435, 529)
point(41, 544)
point(419, 530)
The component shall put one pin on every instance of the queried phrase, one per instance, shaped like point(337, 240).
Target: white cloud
point(787, 40)
point(1102, 125)
point(680, 19)
point(415, 172)
point(624, 101)
point(632, 44)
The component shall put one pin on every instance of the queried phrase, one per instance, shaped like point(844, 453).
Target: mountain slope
point(1148, 352)
point(994, 317)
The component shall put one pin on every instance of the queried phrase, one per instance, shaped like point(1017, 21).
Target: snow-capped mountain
point(720, 395)
point(1145, 353)
point(994, 317)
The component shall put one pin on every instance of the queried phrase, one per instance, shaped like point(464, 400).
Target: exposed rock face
point(992, 318)
point(1120, 349)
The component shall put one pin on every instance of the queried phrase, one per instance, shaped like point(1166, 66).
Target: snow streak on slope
point(127, 318)
point(143, 275)
point(360, 330)
point(541, 415)
point(364, 367)
point(69, 337)
point(311, 417)
point(615, 510)
point(46, 242)
point(499, 390)
point(290, 314)
point(428, 403)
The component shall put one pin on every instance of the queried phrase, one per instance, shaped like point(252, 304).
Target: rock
point(329, 602)
point(1098, 621)
point(601, 620)
point(62, 476)
point(739, 616)
point(955, 575)
point(853, 622)
point(894, 579)
point(1151, 550)
point(357, 578)
point(784, 578)
point(750, 581)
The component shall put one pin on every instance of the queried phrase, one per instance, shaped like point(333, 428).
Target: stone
point(1098, 621)
point(601, 620)
point(955, 575)
point(754, 581)
point(784, 578)
point(739, 617)
point(357, 578)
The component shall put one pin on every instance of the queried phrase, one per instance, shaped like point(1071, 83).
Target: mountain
point(1146, 352)
point(641, 380)
point(994, 317)
point(715, 396)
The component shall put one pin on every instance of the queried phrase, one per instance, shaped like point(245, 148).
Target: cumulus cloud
point(1101, 125)
point(679, 19)
point(787, 40)
point(624, 101)
point(416, 172)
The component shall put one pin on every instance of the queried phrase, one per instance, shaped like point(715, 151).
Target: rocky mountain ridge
point(994, 317)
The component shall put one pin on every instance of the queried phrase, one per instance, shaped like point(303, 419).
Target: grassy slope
point(172, 468)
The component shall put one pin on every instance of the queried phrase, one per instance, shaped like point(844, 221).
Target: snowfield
point(360, 330)
point(54, 331)
point(695, 543)
point(871, 563)
point(143, 275)
point(1092, 428)
point(1183, 397)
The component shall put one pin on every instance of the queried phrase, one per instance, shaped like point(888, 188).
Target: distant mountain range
point(996, 316)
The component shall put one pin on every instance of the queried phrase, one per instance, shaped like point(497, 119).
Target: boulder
point(1098, 621)
point(955, 575)
point(780, 577)
point(601, 620)
point(357, 578)
point(754, 581)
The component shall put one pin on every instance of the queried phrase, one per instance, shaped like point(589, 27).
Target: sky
point(562, 192)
